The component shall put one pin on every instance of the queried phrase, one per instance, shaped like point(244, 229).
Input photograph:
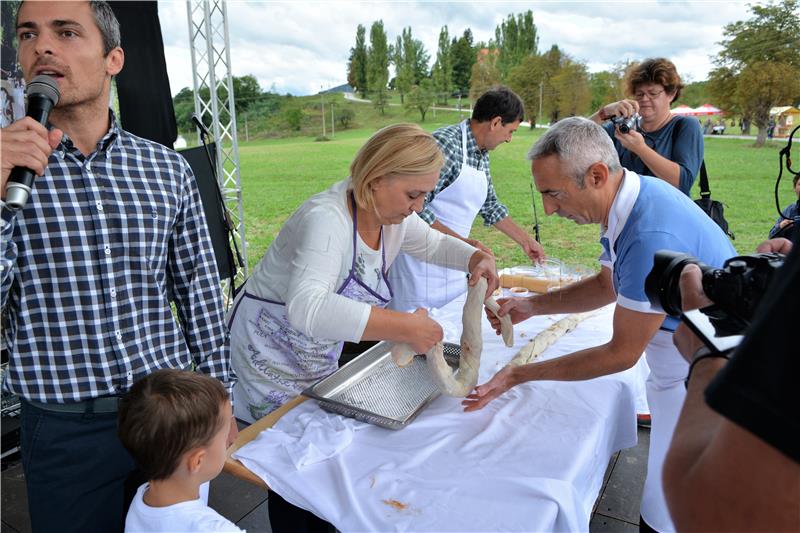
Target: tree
point(419, 58)
point(421, 97)
point(378, 65)
point(463, 57)
point(357, 65)
point(515, 39)
point(246, 91)
point(571, 84)
point(403, 56)
point(696, 94)
point(762, 86)
point(442, 72)
point(183, 103)
point(294, 118)
point(346, 116)
point(607, 86)
point(759, 64)
point(527, 80)
point(484, 73)
point(552, 60)
point(404, 73)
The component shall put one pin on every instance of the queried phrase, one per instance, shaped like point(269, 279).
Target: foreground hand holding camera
point(734, 461)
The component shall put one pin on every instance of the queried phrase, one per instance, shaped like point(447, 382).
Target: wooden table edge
point(233, 466)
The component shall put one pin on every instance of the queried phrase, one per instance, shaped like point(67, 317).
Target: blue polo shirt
point(648, 215)
point(680, 140)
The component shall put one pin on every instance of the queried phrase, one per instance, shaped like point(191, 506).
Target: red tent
point(683, 110)
point(707, 109)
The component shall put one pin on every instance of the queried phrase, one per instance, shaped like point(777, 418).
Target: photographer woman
point(665, 146)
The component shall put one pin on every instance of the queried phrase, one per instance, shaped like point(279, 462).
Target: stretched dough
point(547, 338)
point(461, 382)
point(506, 328)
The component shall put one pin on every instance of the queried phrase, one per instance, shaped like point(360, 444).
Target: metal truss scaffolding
point(214, 104)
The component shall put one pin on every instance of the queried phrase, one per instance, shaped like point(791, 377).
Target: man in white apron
point(577, 171)
point(464, 190)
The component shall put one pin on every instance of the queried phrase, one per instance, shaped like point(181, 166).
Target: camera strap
point(699, 355)
point(705, 190)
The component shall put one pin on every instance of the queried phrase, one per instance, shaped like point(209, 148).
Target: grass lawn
point(278, 175)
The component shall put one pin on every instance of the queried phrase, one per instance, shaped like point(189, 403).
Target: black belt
point(106, 404)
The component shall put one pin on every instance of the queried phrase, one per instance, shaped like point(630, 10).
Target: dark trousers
point(644, 527)
point(286, 518)
point(76, 470)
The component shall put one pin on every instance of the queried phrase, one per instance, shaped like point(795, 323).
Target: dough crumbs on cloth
point(396, 504)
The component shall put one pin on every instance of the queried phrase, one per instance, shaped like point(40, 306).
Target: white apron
point(665, 395)
point(277, 362)
point(418, 284)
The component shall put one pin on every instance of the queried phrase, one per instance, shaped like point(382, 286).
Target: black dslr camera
point(736, 288)
point(626, 124)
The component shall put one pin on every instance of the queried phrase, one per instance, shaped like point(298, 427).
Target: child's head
point(172, 416)
point(796, 183)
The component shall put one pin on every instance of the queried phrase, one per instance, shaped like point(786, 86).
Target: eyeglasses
point(651, 95)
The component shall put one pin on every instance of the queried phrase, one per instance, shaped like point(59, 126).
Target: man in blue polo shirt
point(577, 172)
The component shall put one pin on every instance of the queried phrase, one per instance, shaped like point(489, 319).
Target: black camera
point(736, 289)
point(626, 124)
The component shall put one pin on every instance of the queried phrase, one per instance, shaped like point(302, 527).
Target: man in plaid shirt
point(113, 232)
point(464, 190)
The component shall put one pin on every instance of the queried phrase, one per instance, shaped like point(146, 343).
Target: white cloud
point(302, 46)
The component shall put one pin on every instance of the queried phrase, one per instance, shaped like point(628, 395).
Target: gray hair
point(578, 142)
point(106, 22)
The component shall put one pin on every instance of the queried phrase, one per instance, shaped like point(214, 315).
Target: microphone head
point(44, 85)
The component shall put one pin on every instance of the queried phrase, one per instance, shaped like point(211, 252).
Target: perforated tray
point(373, 389)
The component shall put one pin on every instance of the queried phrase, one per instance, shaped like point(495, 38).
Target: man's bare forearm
point(584, 295)
point(719, 476)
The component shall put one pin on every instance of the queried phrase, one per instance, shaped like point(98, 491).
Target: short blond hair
point(399, 149)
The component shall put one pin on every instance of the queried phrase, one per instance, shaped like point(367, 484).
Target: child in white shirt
point(177, 425)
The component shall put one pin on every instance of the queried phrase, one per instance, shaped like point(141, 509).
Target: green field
point(278, 175)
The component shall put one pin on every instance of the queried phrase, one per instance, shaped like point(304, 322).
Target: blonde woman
point(323, 279)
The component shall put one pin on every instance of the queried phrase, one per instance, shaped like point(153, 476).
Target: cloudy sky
point(299, 47)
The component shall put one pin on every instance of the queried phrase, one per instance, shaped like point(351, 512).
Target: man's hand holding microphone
point(25, 145)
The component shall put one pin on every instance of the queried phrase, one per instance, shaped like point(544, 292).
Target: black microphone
point(43, 95)
point(199, 124)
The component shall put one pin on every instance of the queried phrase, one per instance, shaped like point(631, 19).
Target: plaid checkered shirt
point(89, 267)
point(449, 139)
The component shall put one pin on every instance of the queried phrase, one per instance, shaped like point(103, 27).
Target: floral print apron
point(275, 361)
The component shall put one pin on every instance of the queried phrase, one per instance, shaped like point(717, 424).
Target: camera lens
point(626, 124)
point(662, 283)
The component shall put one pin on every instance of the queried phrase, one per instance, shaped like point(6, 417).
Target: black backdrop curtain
point(145, 103)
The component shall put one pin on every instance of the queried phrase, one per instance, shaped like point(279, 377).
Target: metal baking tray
point(373, 389)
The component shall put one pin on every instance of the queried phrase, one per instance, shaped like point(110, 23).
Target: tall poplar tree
point(378, 65)
point(463, 57)
point(357, 65)
point(403, 55)
point(515, 39)
point(442, 72)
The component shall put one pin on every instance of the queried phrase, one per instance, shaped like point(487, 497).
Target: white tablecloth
point(532, 460)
